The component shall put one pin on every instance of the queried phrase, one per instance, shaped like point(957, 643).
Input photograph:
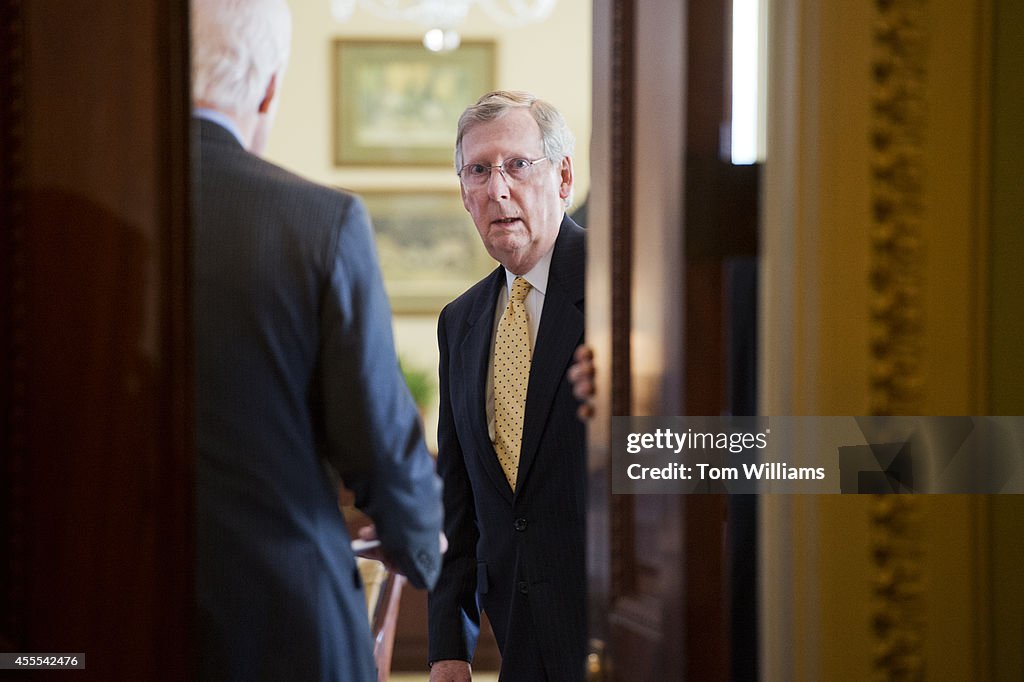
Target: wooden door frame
point(637, 323)
point(97, 443)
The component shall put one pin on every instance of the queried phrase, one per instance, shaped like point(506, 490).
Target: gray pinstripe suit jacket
point(295, 366)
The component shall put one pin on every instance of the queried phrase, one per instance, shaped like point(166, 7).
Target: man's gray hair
point(555, 135)
point(237, 46)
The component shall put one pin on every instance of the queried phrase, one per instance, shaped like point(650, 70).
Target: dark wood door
point(96, 435)
point(668, 219)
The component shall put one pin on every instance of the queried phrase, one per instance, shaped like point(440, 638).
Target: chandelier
point(440, 17)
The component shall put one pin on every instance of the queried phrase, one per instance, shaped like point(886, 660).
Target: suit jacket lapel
point(561, 331)
point(474, 358)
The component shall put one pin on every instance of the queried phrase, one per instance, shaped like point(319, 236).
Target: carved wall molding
point(898, 120)
point(897, 253)
point(897, 586)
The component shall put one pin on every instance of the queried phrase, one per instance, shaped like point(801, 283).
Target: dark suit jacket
point(295, 365)
point(519, 556)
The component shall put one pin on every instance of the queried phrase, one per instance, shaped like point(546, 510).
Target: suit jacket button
point(520, 525)
point(523, 587)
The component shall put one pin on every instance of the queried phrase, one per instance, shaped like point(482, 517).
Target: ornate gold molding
point(898, 120)
point(897, 178)
point(897, 619)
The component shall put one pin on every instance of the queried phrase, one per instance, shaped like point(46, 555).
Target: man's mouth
point(505, 221)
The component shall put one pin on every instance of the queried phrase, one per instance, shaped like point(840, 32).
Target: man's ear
point(566, 176)
point(268, 96)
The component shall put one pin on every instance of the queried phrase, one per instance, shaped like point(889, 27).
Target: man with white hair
point(511, 451)
point(296, 374)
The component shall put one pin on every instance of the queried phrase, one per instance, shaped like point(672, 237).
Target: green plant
point(420, 383)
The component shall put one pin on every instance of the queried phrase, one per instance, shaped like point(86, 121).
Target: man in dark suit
point(510, 448)
point(296, 375)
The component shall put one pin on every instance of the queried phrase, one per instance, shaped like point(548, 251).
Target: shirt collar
point(221, 119)
point(537, 277)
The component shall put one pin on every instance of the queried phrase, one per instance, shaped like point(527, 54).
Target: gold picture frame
point(397, 103)
point(429, 249)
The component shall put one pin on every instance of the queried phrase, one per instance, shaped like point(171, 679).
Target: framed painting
point(397, 103)
point(429, 249)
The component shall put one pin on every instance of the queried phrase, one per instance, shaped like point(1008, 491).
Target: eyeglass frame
point(501, 169)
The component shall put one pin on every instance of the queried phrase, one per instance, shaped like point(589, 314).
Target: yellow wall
point(930, 579)
point(1006, 371)
point(551, 59)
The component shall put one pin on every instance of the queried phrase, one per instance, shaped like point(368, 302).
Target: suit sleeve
point(373, 432)
point(453, 614)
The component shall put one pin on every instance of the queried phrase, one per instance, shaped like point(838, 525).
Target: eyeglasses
point(477, 174)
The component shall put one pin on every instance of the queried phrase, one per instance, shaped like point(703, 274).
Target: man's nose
point(497, 183)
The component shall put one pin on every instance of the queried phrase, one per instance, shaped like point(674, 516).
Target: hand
point(369, 534)
point(581, 376)
point(451, 671)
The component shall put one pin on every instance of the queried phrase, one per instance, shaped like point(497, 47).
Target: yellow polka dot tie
point(511, 377)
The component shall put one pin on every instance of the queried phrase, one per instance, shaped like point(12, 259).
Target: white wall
point(551, 60)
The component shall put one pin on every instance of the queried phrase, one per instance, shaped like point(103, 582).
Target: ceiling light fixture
point(441, 17)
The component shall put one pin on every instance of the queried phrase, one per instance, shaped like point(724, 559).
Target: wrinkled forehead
point(515, 133)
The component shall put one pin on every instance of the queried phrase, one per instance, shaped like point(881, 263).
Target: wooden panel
point(659, 605)
point(98, 446)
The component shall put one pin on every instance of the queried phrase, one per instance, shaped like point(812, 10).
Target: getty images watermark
point(803, 455)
